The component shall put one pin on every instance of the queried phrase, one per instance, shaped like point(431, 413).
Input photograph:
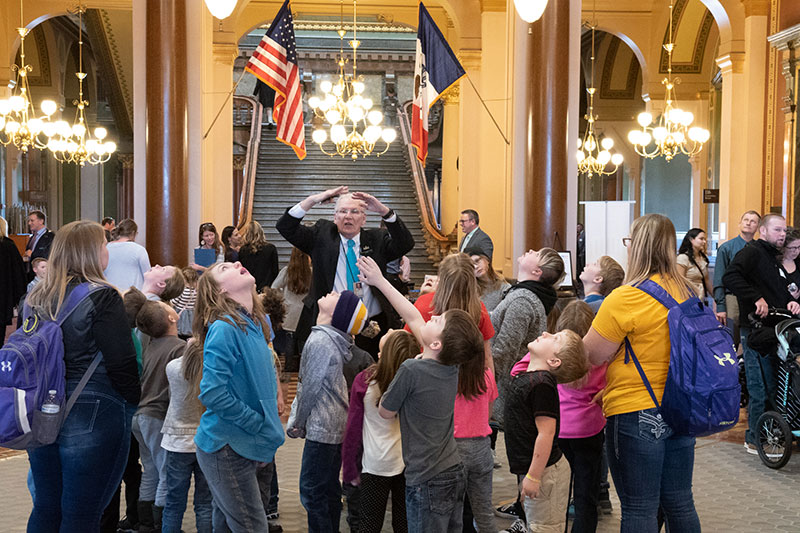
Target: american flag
point(275, 63)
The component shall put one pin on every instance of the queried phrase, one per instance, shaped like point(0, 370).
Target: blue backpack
point(702, 393)
point(31, 364)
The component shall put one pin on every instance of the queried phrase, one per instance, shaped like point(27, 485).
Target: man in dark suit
point(335, 247)
point(39, 242)
point(474, 236)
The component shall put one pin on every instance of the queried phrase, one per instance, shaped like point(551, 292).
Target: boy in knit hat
point(319, 411)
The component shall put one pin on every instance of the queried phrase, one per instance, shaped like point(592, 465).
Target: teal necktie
point(352, 269)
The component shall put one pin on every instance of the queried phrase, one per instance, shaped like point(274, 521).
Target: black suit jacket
point(42, 249)
point(481, 241)
point(322, 242)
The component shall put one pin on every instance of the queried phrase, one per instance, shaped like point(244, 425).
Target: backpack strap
point(658, 292)
point(630, 355)
point(82, 384)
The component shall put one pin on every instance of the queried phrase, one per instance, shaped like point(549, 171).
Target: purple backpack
point(702, 393)
point(31, 364)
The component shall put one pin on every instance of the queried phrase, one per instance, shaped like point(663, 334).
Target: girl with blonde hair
point(644, 453)
point(257, 255)
point(231, 365)
point(76, 476)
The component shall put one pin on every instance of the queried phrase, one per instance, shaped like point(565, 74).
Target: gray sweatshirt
point(320, 406)
point(518, 319)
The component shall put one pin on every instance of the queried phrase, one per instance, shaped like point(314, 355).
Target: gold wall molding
point(470, 58)
point(758, 8)
point(732, 62)
point(495, 6)
point(772, 68)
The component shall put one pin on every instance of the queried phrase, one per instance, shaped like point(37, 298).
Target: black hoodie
point(545, 293)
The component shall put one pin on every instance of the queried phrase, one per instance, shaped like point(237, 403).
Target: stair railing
point(248, 108)
point(437, 243)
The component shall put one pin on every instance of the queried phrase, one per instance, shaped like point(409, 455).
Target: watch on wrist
point(388, 215)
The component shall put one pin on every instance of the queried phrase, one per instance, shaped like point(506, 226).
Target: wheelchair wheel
point(774, 440)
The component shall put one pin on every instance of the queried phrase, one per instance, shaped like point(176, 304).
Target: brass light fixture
point(674, 132)
point(19, 124)
point(594, 157)
point(355, 127)
point(75, 144)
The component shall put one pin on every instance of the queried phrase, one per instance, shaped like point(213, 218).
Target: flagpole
point(226, 102)
point(487, 110)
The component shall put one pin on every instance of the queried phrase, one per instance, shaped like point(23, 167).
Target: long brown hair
point(491, 281)
point(74, 257)
point(398, 346)
point(652, 251)
point(211, 305)
point(298, 272)
point(253, 238)
point(462, 345)
point(209, 226)
point(458, 288)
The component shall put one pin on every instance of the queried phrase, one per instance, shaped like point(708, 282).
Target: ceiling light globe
point(590, 144)
point(678, 137)
point(49, 129)
point(645, 139)
point(694, 134)
point(63, 128)
point(314, 102)
point(607, 143)
point(580, 156)
point(79, 130)
point(604, 157)
point(356, 113)
point(333, 116)
point(356, 100)
point(338, 133)
point(704, 135)
point(372, 134)
point(48, 107)
point(686, 118)
point(367, 103)
point(325, 105)
point(388, 135)
point(100, 133)
point(5, 106)
point(92, 145)
point(616, 159)
point(221, 9)
point(530, 10)
point(634, 137)
point(660, 133)
point(644, 119)
point(111, 147)
point(17, 103)
point(358, 87)
point(375, 117)
point(319, 136)
point(338, 89)
point(326, 86)
point(12, 127)
point(35, 125)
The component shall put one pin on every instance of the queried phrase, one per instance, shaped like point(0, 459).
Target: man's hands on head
point(330, 194)
point(371, 203)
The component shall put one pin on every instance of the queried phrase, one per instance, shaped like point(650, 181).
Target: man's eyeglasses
point(464, 221)
point(354, 212)
point(626, 241)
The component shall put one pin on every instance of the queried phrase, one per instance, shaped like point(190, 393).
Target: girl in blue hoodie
point(231, 367)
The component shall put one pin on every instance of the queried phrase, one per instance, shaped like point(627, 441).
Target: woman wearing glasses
point(791, 249)
point(652, 468)
point(209, 240)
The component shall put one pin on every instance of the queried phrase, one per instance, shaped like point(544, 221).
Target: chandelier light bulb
point(325, 105)
point(338, 89)
point(660, 133)
point(687, 118)
point(580, 156)
point(389, 135)
point(314, 102)
point(367, 103)
point(644, 119)
point(35, 125)
point(326, 86)
point(616, 159)
point(590, 144)
point(607, 143)
point(530, 10)
point(678, 137)
point(375, 117)
point(17, 103)
point(2, 122)
point(356, 113)
point(5, 107)
point(48, 107)
point(338, 133)
point(357, 100)
point(111, 146)
point(333, 116)
point(12, 126)
point(358, 87)
point(319, 136)
point(100, 133)
point(372, 134)
point(646, 139)
point(221, 9)
point(79, 130)
point(604, 157)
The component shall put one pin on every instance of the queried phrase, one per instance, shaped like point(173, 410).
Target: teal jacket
point(239, 391)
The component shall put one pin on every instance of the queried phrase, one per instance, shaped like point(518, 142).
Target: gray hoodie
point(320, 406)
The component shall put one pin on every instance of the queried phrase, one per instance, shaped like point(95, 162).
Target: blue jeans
point(476, 456)
point(761, 385)
point(651, 467)
point(320, 491)
point(180, 467)
point(237, 499)
point(153, 486)
point(76, 476)
point(437, 505)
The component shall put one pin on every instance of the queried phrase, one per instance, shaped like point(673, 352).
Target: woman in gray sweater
point(521, 316)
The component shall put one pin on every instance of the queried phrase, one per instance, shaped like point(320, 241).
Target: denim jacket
point(239, 391)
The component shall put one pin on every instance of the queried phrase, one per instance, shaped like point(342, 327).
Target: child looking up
point(532, 423)
point(319, 411)
point(423, 393)
point(376, 439)
point(599, 279)
point(158, 321)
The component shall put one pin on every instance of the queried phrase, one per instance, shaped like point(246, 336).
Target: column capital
point(756, 8)
point(238, 161)
point(452, 95)
point(732, 62)
point(497, 6)
point(225, 53)
point(470, 58)
point(126, 160)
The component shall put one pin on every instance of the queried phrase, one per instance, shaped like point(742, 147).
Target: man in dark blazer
point(334, 247)
point(474, 236)
point(39, 242)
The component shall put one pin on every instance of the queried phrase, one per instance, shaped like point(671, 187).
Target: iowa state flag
point(435, 70)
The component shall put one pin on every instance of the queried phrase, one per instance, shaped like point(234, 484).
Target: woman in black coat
point(12, 279)
point(257, 255)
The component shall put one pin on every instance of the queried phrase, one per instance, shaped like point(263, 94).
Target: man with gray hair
point(335, 247)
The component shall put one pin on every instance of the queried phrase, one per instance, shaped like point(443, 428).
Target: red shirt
point(425, 305)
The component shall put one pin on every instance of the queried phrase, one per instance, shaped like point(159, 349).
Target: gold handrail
point(437, 243)
point(251, 159)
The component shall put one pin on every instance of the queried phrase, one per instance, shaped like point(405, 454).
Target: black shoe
point(512, 511)
point(127, 526)
point(604, 502)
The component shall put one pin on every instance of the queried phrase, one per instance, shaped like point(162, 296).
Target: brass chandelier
point(674, 132)
point(355, 128)
point(594, 157)
point(74, 143)
point(19, 124)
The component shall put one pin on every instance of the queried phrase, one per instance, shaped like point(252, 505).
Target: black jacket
point(322, 242)
point(755, 273)
point(42, 249)
point(261, 263)
point(12, 280)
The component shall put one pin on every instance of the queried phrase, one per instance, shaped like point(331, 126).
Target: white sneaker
point(517, 527)
point(749, 448)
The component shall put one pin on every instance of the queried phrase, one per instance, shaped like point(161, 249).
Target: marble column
point(167, 130)
point(547, 120)
point(126, 196)
point(238, 182)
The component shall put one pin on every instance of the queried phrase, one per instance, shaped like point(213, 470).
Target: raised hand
point(371, 203)
point(369, 271)
point(331, 194)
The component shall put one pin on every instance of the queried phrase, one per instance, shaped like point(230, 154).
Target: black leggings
point(374, 495)
point(584, 456)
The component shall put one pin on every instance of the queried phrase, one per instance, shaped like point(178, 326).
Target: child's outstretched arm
point(370, 273)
